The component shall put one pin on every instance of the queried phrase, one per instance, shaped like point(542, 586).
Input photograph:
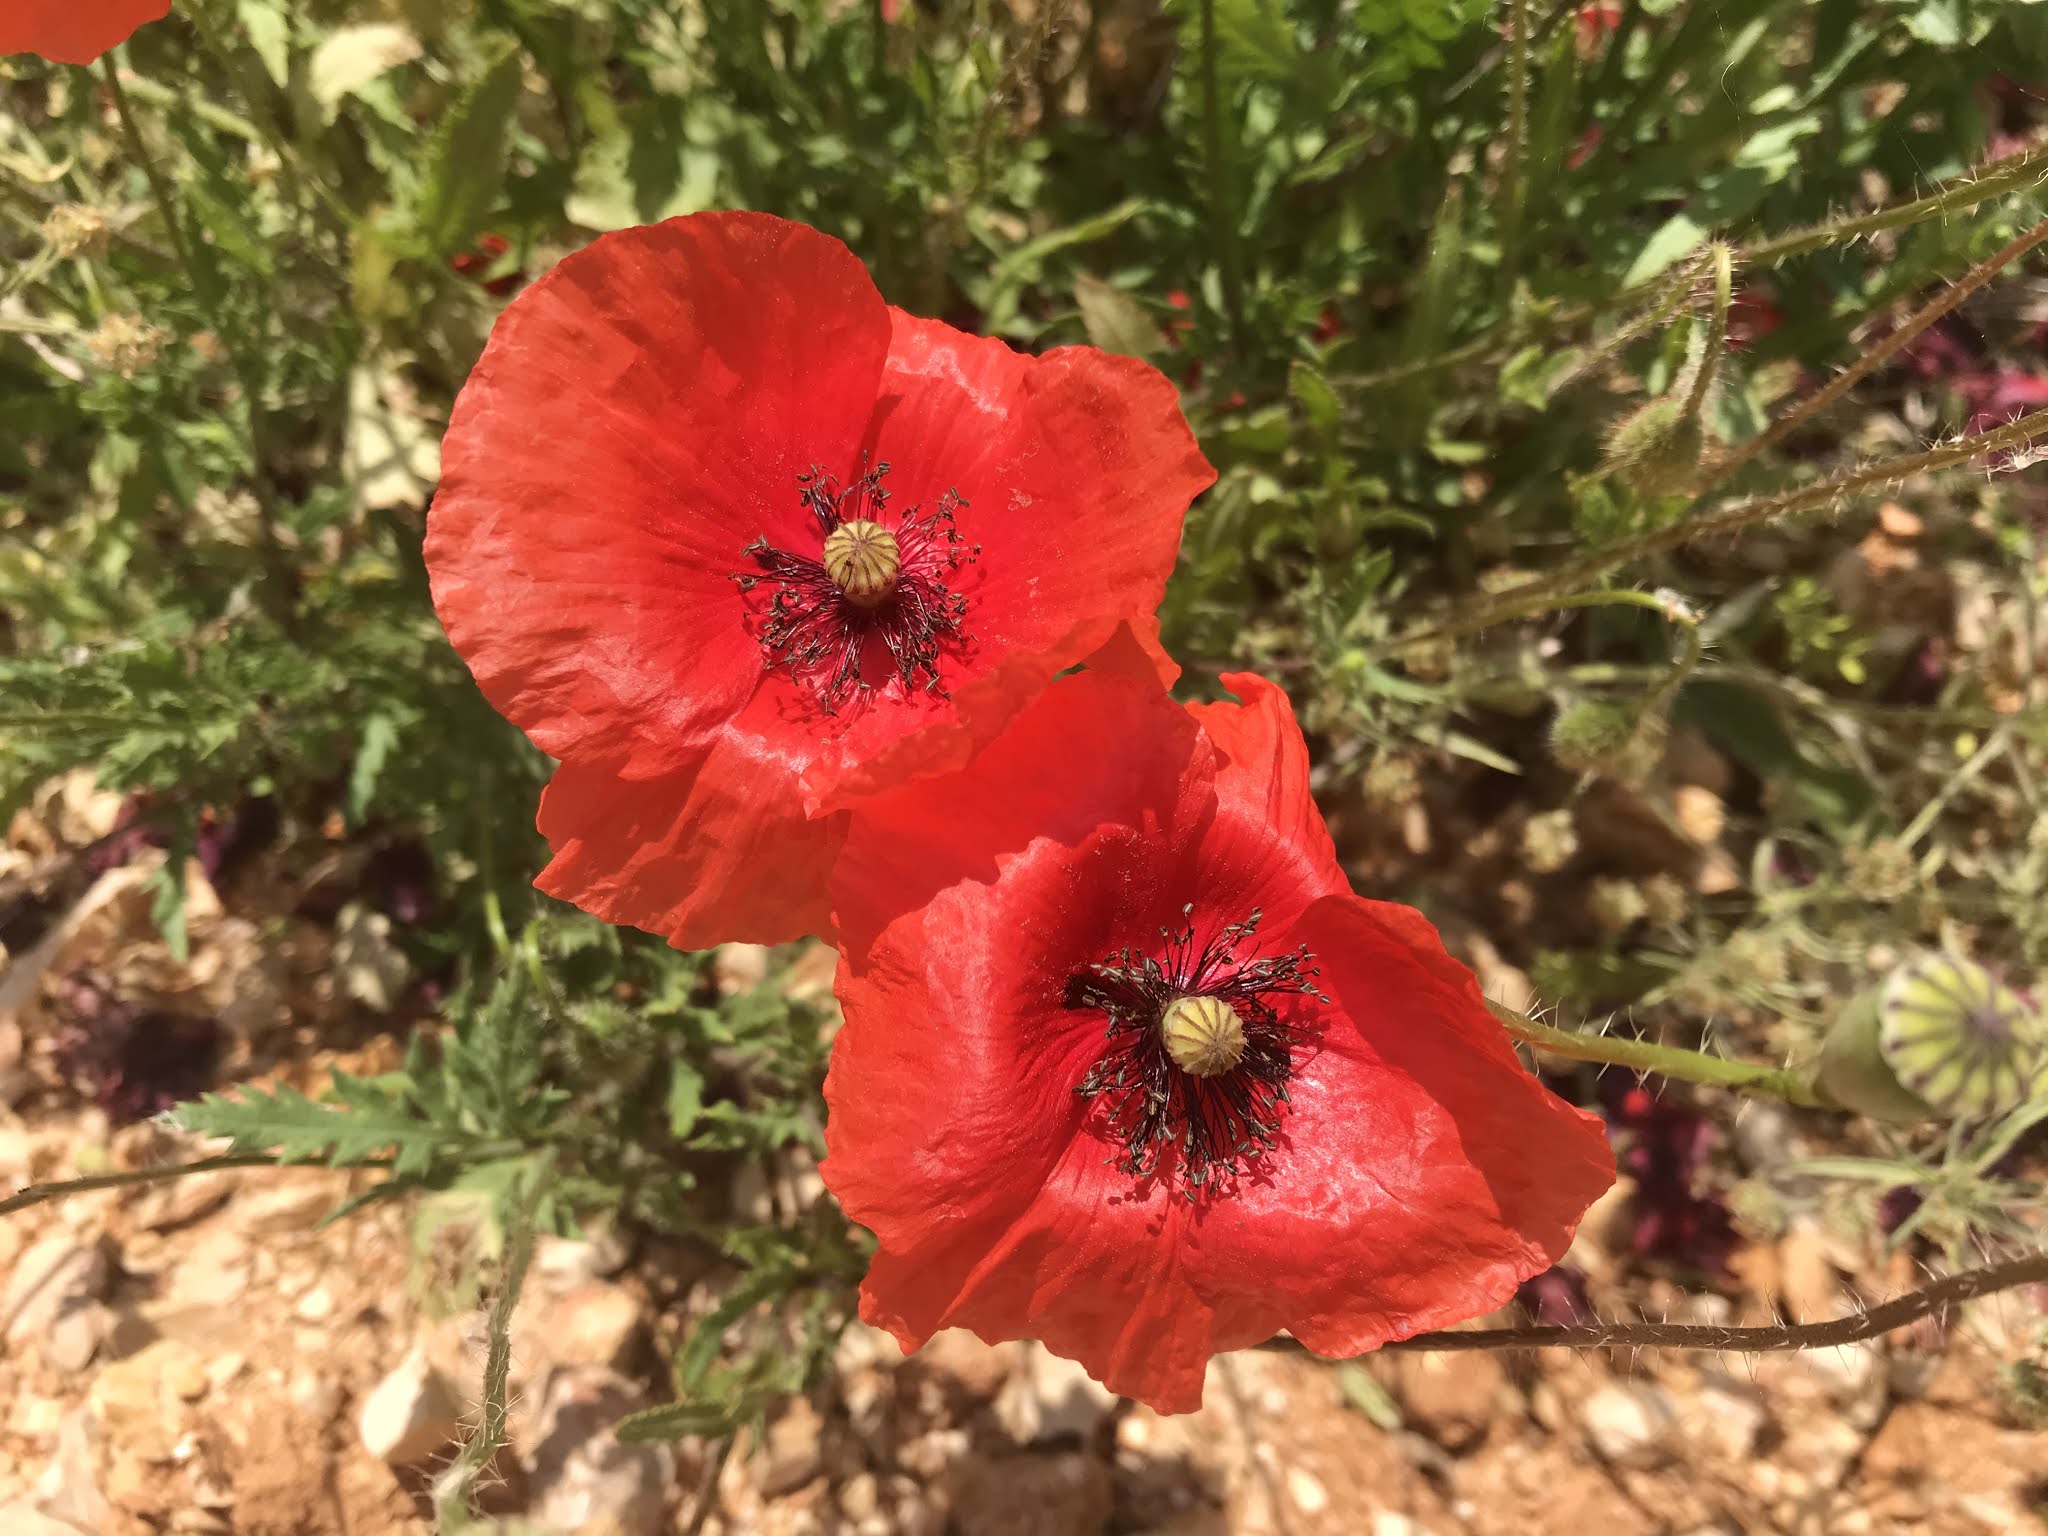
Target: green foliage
point(1407, 339)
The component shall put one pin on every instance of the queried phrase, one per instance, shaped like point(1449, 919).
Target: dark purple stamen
point(1217, 1124)
point(813, 627)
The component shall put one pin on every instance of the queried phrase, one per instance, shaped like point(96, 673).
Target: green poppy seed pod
point(1601, 736)
point(863, 559)
point(1655, 449)
point(1203, 1035)
point(1942, 1038)
point(1852, 1070)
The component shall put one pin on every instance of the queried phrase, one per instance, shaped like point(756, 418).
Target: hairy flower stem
point(2017, 172)
point(283, 579)
point(1869, 1323)
point(1717, 328)
point(1875, 358)
point(1538, 595)
point(1781, 1083)
point(456, 1487)
point(1669, 303)
point(58, 1189)
point(1222, 212)
point(1516, 149)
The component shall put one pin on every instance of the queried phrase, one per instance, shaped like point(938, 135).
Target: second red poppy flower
point(742, 544)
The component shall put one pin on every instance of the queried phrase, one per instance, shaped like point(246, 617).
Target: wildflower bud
point(1664, 900)
point(126, 344)
point(1600, 736)
point(1203, 1035)
point(1882, 870)
point(863, 560)
point(1616, 905)
point(1655, 449)
point(73, 229)
point(1940, 1039)
point(1549, 841)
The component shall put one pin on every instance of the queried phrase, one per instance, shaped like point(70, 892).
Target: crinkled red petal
point(1077, 468)
point(640, 415)
point(1422, 1172)
point(73, 31)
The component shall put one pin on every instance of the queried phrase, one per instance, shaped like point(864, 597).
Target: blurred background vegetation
point(1421, 267)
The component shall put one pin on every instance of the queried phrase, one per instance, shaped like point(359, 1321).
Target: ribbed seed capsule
point(863, 560)
point(1203, 1035)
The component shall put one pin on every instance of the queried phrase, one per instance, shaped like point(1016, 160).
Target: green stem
point(1781, 1083)
point(457, 1486)
point(58, 1189)
point(1222, 215)
point(1536, 595)
point(1876, 357)
point(1516, 150)
point(2017, 172)
point(1717, 330)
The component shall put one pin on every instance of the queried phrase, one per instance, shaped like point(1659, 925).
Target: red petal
point(1268, 847)
point(1460, 1174)
point(716, 852)
point(73, 31)
point(640, 415)
point(1102, 747)
point(1422, 1173)
point(1078, 469)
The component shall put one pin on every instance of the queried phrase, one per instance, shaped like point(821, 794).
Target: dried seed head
point(1549, 841)
point(863, 559)
point(73, 229)
point(1203, 1035)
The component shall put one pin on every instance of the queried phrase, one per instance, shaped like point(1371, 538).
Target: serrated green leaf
point(1114, 320)
point(685, 1097)
point(466, 163)
point(380, 735)
point(1318, 401)
point(283, 1121)
point(268, 27)
point(673, 1421)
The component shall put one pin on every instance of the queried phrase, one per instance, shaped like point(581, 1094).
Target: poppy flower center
point(1196, 1057)
point(863, 559)
point(1203, 1035)
point(874, 586)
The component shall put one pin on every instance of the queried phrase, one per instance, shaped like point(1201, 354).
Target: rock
point(1050, 1398)
point(69, 1489)
point(978, 1369)
point(411, 1414)
point(861, 1497)
point(316, 1306)
point(1722, 1419)
point(53, 1299)
point(138, 1404)
point(180, 1202)
point(21, 1518)
point(793, 1450)
point(581, 1478)
point(564, 1263)
point(292, 1206)
point(1386, 1522)
point(1031, 1495)
point(737, 967)
point(1307, 1492)
point(599, 1323)
point(861, 1345)
point(1630, 1423)
point(1449, 1397)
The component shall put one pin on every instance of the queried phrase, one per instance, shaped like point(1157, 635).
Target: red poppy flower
point(742, 545)
point(72, 31)
point(476, 262)
point(1140, 1076)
